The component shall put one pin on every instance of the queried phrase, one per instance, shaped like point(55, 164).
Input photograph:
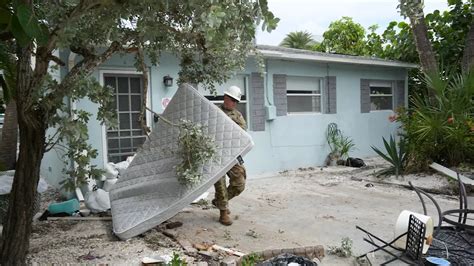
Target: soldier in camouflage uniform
point(237, 174)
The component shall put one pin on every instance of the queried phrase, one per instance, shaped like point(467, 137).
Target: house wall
point(298, 140)
point(53, 164)
point(287, 141)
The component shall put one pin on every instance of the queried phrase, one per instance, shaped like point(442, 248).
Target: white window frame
point(320, 94)
point(381, 84)
point(148, 115)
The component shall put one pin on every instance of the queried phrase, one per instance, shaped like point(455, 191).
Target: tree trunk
point(8, 143)
point(17, 226)
point(468, 55)
point(424, 48)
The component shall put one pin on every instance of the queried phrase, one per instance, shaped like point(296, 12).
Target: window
point(303, 94)
point(239, 81)
point(381, 96)
point(124, 140)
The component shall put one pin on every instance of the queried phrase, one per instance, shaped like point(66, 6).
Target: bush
point(440, 127)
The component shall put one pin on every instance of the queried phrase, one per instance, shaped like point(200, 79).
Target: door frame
point(123, 71)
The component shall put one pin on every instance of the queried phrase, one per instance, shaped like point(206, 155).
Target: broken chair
point(412, 254)
point(455, 241)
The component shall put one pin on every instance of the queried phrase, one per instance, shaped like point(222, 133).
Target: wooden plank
point(228, 250)
point(186, 245)
point(451, 173)
point(78, 218)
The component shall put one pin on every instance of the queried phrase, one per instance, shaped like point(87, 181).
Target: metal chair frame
point(412, 254)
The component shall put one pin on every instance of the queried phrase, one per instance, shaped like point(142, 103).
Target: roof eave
point(333, 59)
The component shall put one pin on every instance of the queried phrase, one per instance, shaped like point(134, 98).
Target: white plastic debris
point(97, 200)
point(91, 184)
point(153, 260)
point(130, 158)
point(9, 172)
point(6, 182)
point(122, 166)
point(109, 183)
point(110, 171)
point(42, 185)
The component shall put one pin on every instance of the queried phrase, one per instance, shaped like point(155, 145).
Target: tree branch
point(49, 145)
point(44, 52)
point(84, 68)
point(141, 59)
point(56, 60)
point(163, 118)
point(83, 51)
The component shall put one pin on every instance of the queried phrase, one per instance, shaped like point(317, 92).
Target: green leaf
point(29, 22)
point(18, 32)
point(43, 37)
point(383, 155)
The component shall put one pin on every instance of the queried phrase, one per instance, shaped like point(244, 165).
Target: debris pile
point(6, 182)
point(93, 198)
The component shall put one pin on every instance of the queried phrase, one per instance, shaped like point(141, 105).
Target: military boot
point(214, 202)
point(225, 218)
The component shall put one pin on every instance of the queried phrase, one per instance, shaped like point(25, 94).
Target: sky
point(315, 16)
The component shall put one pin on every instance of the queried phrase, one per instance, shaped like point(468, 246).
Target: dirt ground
point(304, 207)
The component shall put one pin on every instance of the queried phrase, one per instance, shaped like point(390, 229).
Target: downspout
point(270, 103)
point(326, 107)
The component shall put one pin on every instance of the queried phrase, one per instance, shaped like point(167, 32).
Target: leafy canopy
point(344, 36)
point(211, 39)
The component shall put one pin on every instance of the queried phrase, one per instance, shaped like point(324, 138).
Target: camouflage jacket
point(236, 116)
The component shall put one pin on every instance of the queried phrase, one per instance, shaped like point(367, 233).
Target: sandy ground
point(305, 207)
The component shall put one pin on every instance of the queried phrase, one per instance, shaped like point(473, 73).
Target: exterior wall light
point(168, 81)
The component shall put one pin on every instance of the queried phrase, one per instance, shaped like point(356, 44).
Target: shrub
point(396, 156)
point(441, 127)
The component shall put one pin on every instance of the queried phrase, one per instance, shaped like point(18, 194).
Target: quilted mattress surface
point(149, 192)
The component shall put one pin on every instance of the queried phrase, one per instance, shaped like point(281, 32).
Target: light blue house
point(287, 107)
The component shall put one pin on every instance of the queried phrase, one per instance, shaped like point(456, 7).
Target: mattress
point(149, 193)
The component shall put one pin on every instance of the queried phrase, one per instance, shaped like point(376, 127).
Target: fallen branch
point(162, 118)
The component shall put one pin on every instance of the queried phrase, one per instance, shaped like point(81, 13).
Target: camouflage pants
point(224, 193)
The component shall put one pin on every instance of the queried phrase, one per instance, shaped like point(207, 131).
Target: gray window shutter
point(256, 102)
point(399, 93)
point(329, 95)
point(364, 96)
point(279, 94)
